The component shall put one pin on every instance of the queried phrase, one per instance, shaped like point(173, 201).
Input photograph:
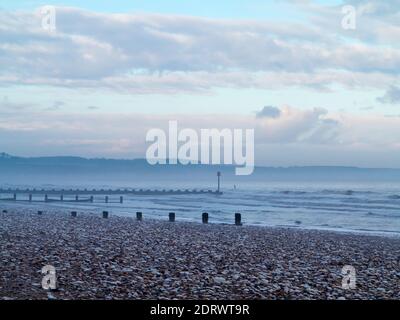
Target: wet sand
point(121, 258)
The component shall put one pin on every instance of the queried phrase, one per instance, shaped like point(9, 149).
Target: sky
point(315, 92)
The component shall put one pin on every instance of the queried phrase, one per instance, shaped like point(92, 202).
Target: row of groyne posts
point(171, 216)
point(91, 195)
point(88, 195)
point(62, 199)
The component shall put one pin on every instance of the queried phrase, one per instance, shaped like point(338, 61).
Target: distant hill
point(17, 168)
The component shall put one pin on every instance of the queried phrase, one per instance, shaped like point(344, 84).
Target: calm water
point(341, 207)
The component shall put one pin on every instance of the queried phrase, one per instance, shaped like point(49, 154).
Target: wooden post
point(238, 219)
point(15, 197)
point(121, 199)
point(105, 214)
point(4, 211)
point(76, 198)
point(30, 198)
point(46, 198)
point(139, 216)
point(172, 217)
point(62, 197)
point(106, 200)
point(205, 217)
point(91, 198)
point(73, 214)
point(40, 213)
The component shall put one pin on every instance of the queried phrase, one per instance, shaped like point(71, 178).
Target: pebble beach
point(121, 258)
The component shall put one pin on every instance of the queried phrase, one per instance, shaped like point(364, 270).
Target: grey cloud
point(10, 107)
point(269, 112)
point(55, 106)
point(392, 96)
point(367, 108)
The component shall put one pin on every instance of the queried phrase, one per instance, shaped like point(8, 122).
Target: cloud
point(10, 107)
point(154, 53)
point(310, 126)
point(377, 22)
point(298, 136)
point(55, 106)
point(392, 96)
point(269, 112)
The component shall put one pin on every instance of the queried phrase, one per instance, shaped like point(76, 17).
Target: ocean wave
point(340, 192)
point(292, 192)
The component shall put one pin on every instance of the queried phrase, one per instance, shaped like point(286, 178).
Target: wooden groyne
point(87, 195)
point(106, 191)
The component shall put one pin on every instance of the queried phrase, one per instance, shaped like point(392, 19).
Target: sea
point(368, 208)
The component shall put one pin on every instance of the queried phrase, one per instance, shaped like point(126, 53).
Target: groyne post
point(30, 197)
point(205, 217)
point(40, 213)
point(238, 219)
point(106, 199)
point(121, 199)
point(15, 197)
point(172, 217)
point(73, 214)
point(139, 216)
point(46, 198)
point(105, 214)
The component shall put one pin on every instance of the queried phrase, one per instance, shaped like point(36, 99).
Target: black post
point(62, 197)
point(76, 198)
point(46, 198)
point(40, 213)
point(121, 199)
point(105, 214)
point(30, 198)
point(73, 214)
point(238, 219)
point(172, 217)
point(91, 198)
point(205, 217)
point(106, 199)
point(219, 181)
point(139, 216)
point(15, 197)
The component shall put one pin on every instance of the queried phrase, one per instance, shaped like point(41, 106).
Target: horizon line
point(5, 155)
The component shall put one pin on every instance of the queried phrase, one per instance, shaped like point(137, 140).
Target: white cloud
point(168, 54)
